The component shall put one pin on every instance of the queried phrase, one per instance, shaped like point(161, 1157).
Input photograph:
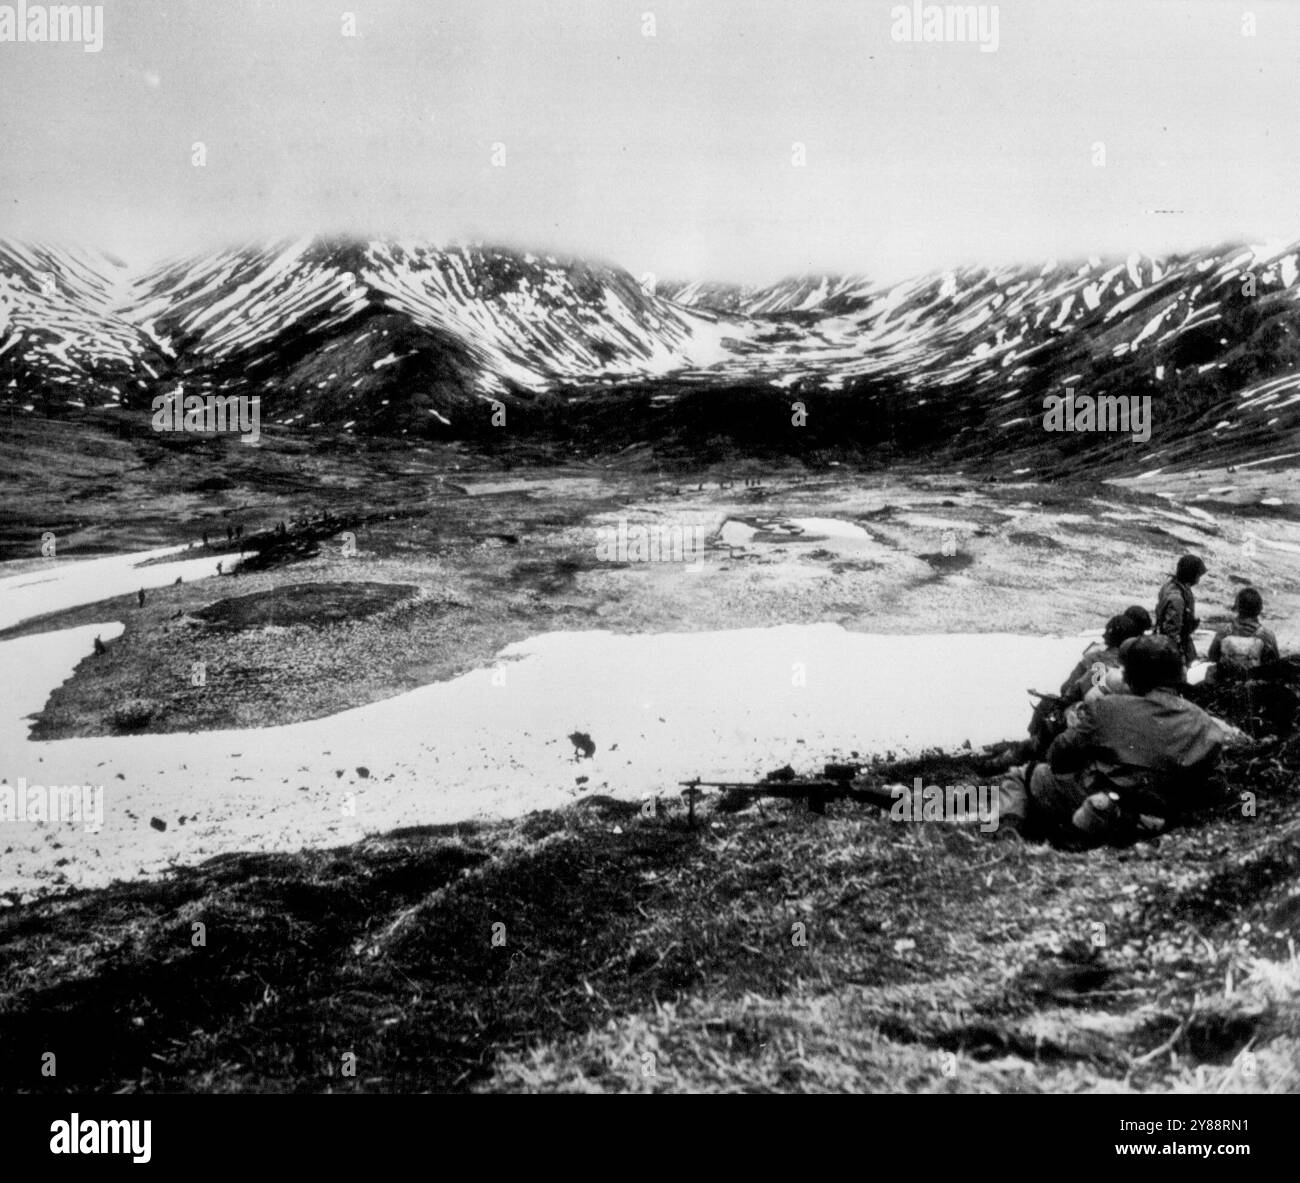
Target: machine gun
point(838, 782)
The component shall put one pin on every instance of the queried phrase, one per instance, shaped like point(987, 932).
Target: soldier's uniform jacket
point(1080, 680)
point(1244, 645)
point(1158, 751)
point(1175, 617)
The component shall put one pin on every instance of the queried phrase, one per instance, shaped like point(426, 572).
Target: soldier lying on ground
point(1129, 765)
point(1049, 718)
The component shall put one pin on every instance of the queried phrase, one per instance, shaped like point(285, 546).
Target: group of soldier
point(1121, 753)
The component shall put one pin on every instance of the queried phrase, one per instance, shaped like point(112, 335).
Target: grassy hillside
point(604, 947)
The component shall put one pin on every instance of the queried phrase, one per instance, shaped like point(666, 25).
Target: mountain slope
point(383, 334)
point(799, 293)
point(405, 338)
point(535, 320)
point(962, 361)
point(62, 336)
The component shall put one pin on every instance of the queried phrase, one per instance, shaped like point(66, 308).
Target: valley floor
point(640, 952)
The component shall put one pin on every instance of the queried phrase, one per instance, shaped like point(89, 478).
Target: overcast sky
point(671, 153)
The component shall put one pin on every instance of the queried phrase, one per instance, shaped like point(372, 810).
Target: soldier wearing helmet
point(1245, 645)
point(1175, 615)
point(1149, 752)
